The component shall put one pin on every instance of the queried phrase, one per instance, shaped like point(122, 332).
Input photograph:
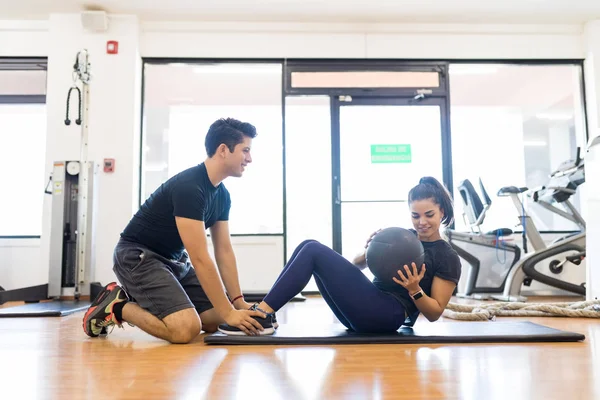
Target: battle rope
point(486, 312)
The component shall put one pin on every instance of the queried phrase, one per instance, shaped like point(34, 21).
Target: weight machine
point(73, 186)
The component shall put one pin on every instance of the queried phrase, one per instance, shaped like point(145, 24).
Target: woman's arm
point(432, 306)
point(360, 261)
point(441, 293)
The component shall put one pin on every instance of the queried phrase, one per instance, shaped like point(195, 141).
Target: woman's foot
point(266, 310)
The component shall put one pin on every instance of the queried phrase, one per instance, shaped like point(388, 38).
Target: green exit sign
point(390, 153)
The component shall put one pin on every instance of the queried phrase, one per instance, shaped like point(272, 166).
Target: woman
point(375, 307)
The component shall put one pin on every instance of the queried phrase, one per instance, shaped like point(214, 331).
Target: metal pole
point(82, 67)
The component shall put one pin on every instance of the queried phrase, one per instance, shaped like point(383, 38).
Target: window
point(365, 79)
point(22, 148)
point(183, 100)
point(512, 125)
point(22, 161)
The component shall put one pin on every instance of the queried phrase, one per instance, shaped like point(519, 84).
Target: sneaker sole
point(97, 301)
point(266, 331)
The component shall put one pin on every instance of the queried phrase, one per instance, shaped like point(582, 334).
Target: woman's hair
point(431, 188)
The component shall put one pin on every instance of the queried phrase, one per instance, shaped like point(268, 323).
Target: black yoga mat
point(45, 309)
point(438, 332)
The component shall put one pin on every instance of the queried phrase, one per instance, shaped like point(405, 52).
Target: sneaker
point(274, 316)
point(100, 316)
point(267, 324)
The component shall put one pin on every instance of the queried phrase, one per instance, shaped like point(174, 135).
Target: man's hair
point(227, 131)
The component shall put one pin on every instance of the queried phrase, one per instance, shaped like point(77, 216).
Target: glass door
point(380, 150)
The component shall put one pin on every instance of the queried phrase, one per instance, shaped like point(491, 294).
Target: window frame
point(23, 64)
point(441, 65)
point(204, 62)
point(579, 63)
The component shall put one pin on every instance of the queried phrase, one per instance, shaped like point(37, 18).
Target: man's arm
point(226, 260)
point(193, 235)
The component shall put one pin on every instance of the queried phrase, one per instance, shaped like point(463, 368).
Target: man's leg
point(209, 318)
point(180, 327)
point(160, 306)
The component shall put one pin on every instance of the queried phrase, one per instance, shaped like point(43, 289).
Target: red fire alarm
point(109, 165)
point(112, 47)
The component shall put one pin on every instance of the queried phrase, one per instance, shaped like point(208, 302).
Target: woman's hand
point(410, 279)
point(371, 237)
point(361, 260)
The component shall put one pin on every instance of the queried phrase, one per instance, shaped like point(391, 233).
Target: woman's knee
point(306, 242)
point(315, 246)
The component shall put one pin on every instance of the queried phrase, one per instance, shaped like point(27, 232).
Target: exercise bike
point(500, 279)
point(490, 255)
point(570, 249)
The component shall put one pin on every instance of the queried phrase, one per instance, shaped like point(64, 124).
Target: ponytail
point(431, 188)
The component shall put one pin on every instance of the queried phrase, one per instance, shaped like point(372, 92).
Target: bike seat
point(508, 190)
point(501, 232)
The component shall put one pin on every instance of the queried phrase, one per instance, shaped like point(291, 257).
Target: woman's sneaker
point(274, 318)
point(100, 314)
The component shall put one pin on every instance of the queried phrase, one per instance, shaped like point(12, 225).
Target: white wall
point(115, 103)
point(164, 39)
point(114, 121)
point(24, 38)
point(20, 264)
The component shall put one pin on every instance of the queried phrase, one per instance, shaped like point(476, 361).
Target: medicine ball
point(390, 250)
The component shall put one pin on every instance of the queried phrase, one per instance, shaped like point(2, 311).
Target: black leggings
point(355, 301)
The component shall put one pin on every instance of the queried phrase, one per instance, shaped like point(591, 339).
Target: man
point(171, 287)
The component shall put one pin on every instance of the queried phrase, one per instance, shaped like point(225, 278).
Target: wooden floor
point(51, 358)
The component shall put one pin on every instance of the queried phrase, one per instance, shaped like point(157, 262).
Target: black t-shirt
point(441, 260)
point(189, 194)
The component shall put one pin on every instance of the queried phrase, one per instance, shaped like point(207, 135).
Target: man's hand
point(243, 319)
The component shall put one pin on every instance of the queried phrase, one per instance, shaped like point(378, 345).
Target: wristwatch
point(418, 295)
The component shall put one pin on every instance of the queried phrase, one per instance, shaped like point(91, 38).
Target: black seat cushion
point(507, 190)
point(501, 232)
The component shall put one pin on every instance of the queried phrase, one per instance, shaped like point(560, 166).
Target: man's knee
point(183, 326)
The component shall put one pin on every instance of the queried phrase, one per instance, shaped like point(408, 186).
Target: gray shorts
point(158, 285)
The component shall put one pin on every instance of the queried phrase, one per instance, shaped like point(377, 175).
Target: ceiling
point(363, 11)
